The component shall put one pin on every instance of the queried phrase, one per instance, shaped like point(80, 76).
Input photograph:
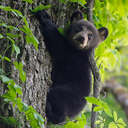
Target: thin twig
point(95, 71)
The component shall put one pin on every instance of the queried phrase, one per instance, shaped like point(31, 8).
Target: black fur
point(71, 74)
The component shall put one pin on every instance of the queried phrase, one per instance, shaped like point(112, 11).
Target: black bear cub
point(71, 73)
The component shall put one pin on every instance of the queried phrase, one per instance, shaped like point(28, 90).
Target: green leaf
point(16, 64)
point(8, 120)
point(107, 110)
point(35, 42)
point(11, 35)
point(101, 105)
point(38, 117)
point(11, 92)
point(19, 104)
point(13, 41)
point(16, 48)
point(1, 57)
point(9, 26)
point(7, 59)
point(115, 116)
point(112, 125)
point(1, 71)
point(63, 1)
point(61, 30)
point(120, 126)
point(98, 122)
point(23, 76)
point(102, 125)
point(5, 8)
point(1, 36)
point(79, 1)
point(20, 67)
point(29, 1)
point(25, 107)
point(12, 120)
point(26, 24)
point(120, 121)
point(4, 78)
point(93, 100)
point(98, 108)
point(14, 11)
point(30, 38)
point(17, 12)
point(41, 7)
point(18, 89)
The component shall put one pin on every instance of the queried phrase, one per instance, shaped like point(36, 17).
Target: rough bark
point(36, 63)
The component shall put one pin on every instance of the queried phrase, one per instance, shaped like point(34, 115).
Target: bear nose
point(80, 39)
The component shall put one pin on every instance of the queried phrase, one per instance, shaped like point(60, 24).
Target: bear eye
point(90, 36)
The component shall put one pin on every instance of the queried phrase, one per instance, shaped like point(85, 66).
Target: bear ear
point(77, 15)
point(103, 32)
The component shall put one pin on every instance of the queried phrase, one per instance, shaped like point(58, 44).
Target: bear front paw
point(42, 15)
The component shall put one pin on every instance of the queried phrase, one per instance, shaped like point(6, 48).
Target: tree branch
point(120, 93)
point(90, 4)
point(95, 71)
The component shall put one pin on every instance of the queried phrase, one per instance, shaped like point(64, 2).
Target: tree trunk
point(36, 63)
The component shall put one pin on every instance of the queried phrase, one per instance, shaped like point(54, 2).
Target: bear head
point(83, 34)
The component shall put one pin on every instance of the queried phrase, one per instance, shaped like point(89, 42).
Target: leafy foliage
point(41, 7)
point(35, 119)
point(29, 1)
point(30, 38)
point(107, 118)
point(19, 67)
point(78, 122)
point(8, 120)
point(115, 20)
point(81, 2)
point(101, 106)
